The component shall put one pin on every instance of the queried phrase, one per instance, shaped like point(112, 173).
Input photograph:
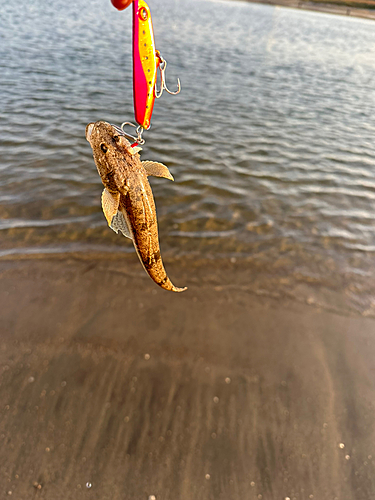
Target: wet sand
point(113, 389)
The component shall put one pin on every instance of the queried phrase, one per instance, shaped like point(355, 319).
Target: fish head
point(109, 146)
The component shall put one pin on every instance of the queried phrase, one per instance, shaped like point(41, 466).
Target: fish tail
point(156, 271)
point(176, 289)
point(167, 284)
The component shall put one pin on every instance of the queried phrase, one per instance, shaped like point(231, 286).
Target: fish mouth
point(89, 130)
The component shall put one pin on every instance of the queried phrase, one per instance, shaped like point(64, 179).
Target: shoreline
point(221, 273)
point(327, 8)
point(107, 380)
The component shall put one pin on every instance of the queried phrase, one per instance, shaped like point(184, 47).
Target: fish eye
point(103, 147)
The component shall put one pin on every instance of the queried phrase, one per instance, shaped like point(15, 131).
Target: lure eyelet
point(143, 14)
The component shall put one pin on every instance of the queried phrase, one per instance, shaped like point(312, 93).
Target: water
point(271, 141)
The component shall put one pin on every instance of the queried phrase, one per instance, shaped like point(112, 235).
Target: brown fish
point(127, 200)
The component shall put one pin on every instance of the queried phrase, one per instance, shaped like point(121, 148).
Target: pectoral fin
point(157, 169)
point(110, 205)
point(119, 224)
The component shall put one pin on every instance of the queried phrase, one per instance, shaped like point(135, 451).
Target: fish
point(127, 200)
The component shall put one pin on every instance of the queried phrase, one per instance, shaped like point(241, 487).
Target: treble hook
point(139, 139)
point(163, 84)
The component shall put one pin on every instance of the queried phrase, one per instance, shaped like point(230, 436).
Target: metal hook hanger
point(163, 83)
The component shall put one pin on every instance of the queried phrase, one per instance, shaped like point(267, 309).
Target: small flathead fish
point(127, 200)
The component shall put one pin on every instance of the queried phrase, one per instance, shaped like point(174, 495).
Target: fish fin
point(135, 150)
point(176, 289)
point(157, 169)
point(110, 204)
point(119, 224)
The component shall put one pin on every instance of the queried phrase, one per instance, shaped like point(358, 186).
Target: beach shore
point(112, 388)
point(338, 8)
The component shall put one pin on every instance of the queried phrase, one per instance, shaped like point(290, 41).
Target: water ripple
point(271, 140)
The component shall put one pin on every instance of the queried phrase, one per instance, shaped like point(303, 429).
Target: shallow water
point(271, 141)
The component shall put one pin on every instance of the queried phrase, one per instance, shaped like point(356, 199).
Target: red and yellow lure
point(146, 61)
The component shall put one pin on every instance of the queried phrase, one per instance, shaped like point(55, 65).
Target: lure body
point(145, 64)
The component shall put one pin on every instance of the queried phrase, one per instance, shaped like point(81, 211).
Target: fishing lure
point(146, 61)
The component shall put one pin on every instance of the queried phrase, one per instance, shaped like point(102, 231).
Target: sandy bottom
point(111, 388)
